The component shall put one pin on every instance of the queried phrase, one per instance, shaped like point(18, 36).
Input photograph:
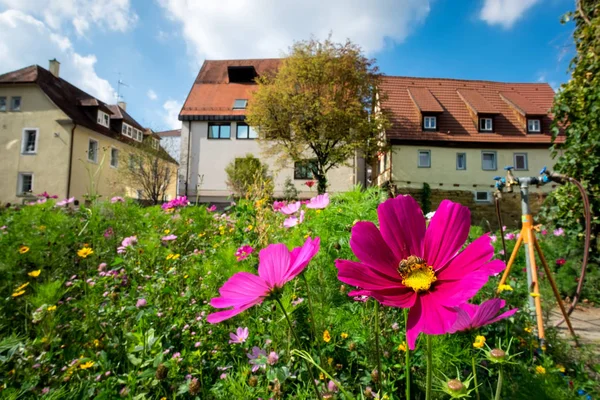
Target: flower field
point(336, 298)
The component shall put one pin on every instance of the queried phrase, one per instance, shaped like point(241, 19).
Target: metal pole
point(525, 216)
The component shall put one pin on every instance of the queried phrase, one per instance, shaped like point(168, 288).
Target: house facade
point(56, 138)
point(214, 134)
point(457, 135)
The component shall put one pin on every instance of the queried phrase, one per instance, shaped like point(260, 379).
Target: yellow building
point(56, 138)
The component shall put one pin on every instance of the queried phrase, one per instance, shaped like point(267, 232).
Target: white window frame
point(20, 176)
point(539, 125)
point(95, 159)
point(484, 152)
point(524, 155)
point(5, 107)
point(114, 161)
point(240, 107)
point(484, 128)
point(429, 118)
point(487, 199)
point(12, 107)
point(465, 161)
point(428, 152)
point(101, 119)
point(24, 141)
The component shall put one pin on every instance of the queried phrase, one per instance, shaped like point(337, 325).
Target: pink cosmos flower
point(276, 266)
point(544, 232)
point(471, 316)
point(561, 261)
point(243, 252)
point(278, 205)
point(293, 221)
point(258, 358)
point(65, 202)
point(509, 236)
point(559, 232)
point(117, 199)
point(168, 238)
point(408, 265)
point(291, 208)
point(212, 208)
point(240, 336)
point(141, 303)
point(493, 238)
point(321, 201)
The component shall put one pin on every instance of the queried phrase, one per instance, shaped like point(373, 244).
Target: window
point(15, 104)
point(129, 131)
point(124, 129)
point(424, 160)
point(155, 144)
point(534, 126)
point(461, 161)
point(103, 119)
point(520, 161)
point(488, 160)
point(219, 131)
point(486, 125)
point(25, 182)
point(240, 104)
point(430, 123)
point(93, 150)
point(137, 135)
point(304, 169)
point(482, 197)
point(243, 131)
point(2, 103)
point(29, 145)
point(114, 157)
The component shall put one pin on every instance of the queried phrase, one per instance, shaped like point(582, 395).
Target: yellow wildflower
point(344, 335)
point(96, 343)
point(35, 274)
point(502, 288)
point(540, 370)
point(201, 234)
point(318, 211)
point(528, 330)
point(479, 342)
point(167, 231)
point(84, 252)
point(23, 249)
point(51, 308)
point(18, 293)
point(185, 276)
point(170, 256)
point(402, 347)
point(561, 368)
point(321, 376)
point(231, 230)
point(23, 286)
point(330, 361)
point(42, 227)
point(533, 294)
point(176, 257)
point(326, 336)
point(86, 365)
point(250, 227)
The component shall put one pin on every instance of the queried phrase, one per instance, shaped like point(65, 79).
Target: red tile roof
point(455, 123)
point(522, 105)
point(476, 102)
point(213, 95)
point(171, 133)
point(424, 100)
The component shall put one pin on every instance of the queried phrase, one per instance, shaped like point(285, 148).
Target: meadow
point(116, 300)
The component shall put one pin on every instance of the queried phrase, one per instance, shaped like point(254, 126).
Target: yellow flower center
point(416, 274)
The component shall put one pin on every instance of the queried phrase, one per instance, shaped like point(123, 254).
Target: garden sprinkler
point(528, 240)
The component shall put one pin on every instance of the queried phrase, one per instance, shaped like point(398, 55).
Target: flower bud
point(497, 355)
point(455, 385)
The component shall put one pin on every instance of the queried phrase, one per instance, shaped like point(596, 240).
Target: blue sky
point(157, 46)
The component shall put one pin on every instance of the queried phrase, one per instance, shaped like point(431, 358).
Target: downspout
point(187, 168)
point(71, 160)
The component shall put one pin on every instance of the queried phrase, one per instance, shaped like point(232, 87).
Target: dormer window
point(534, 126)
point(486, 124)
point(126, 130)
point(429, 123)
point(103, 119)
point(240, 104)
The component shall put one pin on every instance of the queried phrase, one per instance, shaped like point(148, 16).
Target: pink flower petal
point(274, 261)
point(290, 208)
point(301, 256)
point(243, 285)
point(217, 317)
point(360, 275)
point(446, 233)
point(402, 226)
point(429, 317)
point(364, 240)
point(473, 257)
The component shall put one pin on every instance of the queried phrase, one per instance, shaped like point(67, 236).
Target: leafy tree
point(320, 104)
point(577, 114)
point(242, 173)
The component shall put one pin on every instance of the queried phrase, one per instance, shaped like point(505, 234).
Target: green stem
point(429, 367)
point(377, 350)
point(475, 377)
point(407, 356)
point(310, 308)
point(499, 387)
point(312, 378)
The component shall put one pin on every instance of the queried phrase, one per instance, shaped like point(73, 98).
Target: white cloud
point(504, 12)
point(171, 113)
point(152, 94)
point(266, 28)
point(114, 15)
point(33, 42)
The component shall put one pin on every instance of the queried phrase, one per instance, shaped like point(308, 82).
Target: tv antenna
point(119, 84)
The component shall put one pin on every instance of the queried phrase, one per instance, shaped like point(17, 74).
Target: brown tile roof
point(213, 95)
point(476, 102)
point(455, 124)
point(119, 113)
point(522, 105)
point(424, 100)
point(171, 133)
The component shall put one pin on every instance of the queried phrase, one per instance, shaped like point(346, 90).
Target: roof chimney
point(54, 67)
point(123, 105)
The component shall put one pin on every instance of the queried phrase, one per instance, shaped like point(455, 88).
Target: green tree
point(577, 115)
point(321, 104)
point(244, 172)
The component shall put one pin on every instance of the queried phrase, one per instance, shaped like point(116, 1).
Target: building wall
point(50, 164)
point(209, 158)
